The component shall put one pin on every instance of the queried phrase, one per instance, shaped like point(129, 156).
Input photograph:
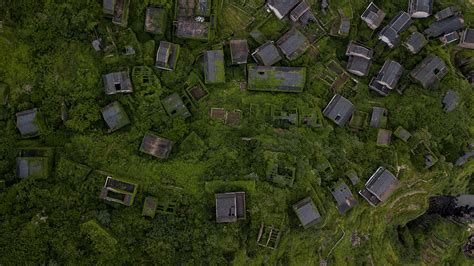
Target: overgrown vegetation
point(47, 62)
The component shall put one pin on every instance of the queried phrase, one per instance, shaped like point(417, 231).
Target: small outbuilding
point(402, 134)
point(447, 12)
point(379, 117)
point(339, 110)
point(267, 54)
point(384, 137)
point(214, 70)
point(174, 106)
point(192, 29)
point(115, 116)
point(230, 207)
point(156, 146)
point(307, 212)
point(379, 187)
point(450, 101)
point(167, 55)
point(239, 51)
point(117, 82)
point(149, 207)
point(27, 123)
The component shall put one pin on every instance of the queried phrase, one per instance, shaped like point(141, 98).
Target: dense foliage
point(47, 62)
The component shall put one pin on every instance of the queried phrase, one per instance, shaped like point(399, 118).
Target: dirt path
point(408, 194)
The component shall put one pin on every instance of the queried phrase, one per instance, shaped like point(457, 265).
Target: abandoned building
point(373, 16)
point(431, 70)
point(293, 44)
point(174, 106)
point(267, 54)
point(190, 29)
point(359, 59)
point(402, 134)
point(352, 176)
point(358, 120)
point(450, 101)
point(384, 137)
point(467, 39)
point(281, 8)
point(213, 63)
point(415, 42)
point(447, 12)
point(193, 19)
point(278, 79)
point(33, 166)
point(449, 37)
point(339, 110)
point(344, 198)
point(239, 51)
point(118, 10)
point(390, 34)
point(302, 13)
point(465, 158)
point(118, 191)
point(156, 146)
point(379, 117)
point(115, 116)
point(230, 207)
point(155, 20)
point(268, 236)
point(379, 187)
point(27, 123)
point(420, 8)
point(149, 207)
point(117, 82)
point(167, 55)
point(445, 26)
point(387, 78)
point(307, 212)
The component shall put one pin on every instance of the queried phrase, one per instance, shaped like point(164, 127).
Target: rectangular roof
point(390, 74)
point(415, 42)
point(284, 79)
point(344, 198)
point(339, 110)
point(155, 20)
point(167, 55)
point(239, 51)
point(115, 116)
point(354, 49)
point(420, 8)
point(401, 21)
point(293, 44)
point(156, 146)
point(382, 184)
point(191, 29)
point(467, 39)
point(373, 16)
point(358, 65)
point(379, 117)
point(281, 8)
point(27, 123)
point(230, 207)
point(174, 106)
point(214, 70)
point(429, 71)
point(444, 26)
point(117, 82)
point(267, 54)
point(29, 166)
point(307, 212)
